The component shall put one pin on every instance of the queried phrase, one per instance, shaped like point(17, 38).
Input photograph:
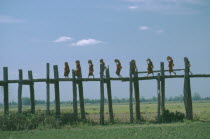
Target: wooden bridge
point(77, 84)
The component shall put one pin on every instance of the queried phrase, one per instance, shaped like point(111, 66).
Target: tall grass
point(28, 121)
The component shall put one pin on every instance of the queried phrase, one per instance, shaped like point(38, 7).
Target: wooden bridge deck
point(26, 81)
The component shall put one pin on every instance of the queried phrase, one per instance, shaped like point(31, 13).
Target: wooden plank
point(160, 70)
point(81, 96)
point(31, 86)
point(20, 84)
point(74, 86)
point(57, 90)
point(109, 94)
point(187, 92)
point(158, 96)
point(131, 94)
point(124, 79)
point(6, 90)
point(137, 97)
point(162, 94)
point(101, 94)
point(47, 88)
point(199, 76)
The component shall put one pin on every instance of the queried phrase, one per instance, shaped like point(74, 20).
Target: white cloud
point(62, 39)
point(10, 19)
point(144, 28)
point(85, 42)
point(133, 7)
point(160, 31)
point(151, 29)
point(169, 6)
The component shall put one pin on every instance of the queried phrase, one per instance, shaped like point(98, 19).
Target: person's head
point(66, 63)
point(101, 60)
point(116, 60)
point(89, 61)
point(168, 58)
point(148, 60)
point(185, 58)
point(77, 62)
point(133, 61)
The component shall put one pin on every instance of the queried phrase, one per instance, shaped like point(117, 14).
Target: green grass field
point(194, 130)
point(122, 129)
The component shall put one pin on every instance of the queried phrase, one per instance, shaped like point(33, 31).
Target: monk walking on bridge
point(119, 67)
point(133, 66)
point(189, 65)
point(91, 70)
point(78, 68)
point(150, 67)
point(103, 63)
point(170, 65)
point(66, 70)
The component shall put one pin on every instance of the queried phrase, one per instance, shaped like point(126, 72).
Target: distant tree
point(142, 99)
point(196, 96)
point(40, 102)
point(26, 101)
point(154, 98)
point(170, 99)
point(181, 98)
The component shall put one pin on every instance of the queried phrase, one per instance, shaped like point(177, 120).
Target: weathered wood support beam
point(47, 88)
point(162, 83)
point(102, 94)
point(74, 87)
point(131, 94)
point(187, 92)
point(81, 96)
point(57, 90)
point(20, 85)
point(31, 86)
point(137, 96)
point(109, 94)
point(6, 90)
point(158, 96)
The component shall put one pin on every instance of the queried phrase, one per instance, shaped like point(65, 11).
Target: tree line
point(196, 96)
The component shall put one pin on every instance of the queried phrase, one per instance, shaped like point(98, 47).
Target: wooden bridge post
point(162, 81)
point(48, 88)
point(137, 97)
point(101, 94)
point(187, 91)
point(109, 94)
point(6, 90)
point(57, 91)
point(74, 86)
point(31, 85)
point(81, 97)
point(20, 84)
point(131, 94)
point(158, 96)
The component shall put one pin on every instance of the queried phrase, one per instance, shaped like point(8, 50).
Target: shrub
point(168, 117)
point(27, 121)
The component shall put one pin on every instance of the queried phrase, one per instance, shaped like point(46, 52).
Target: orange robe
point(78, 68)
point(91, 70)
point(66, 71)
point(150, 68)
point(170, 65)
point(119, 67)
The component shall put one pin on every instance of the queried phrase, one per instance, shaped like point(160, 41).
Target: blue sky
point(33, 33)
